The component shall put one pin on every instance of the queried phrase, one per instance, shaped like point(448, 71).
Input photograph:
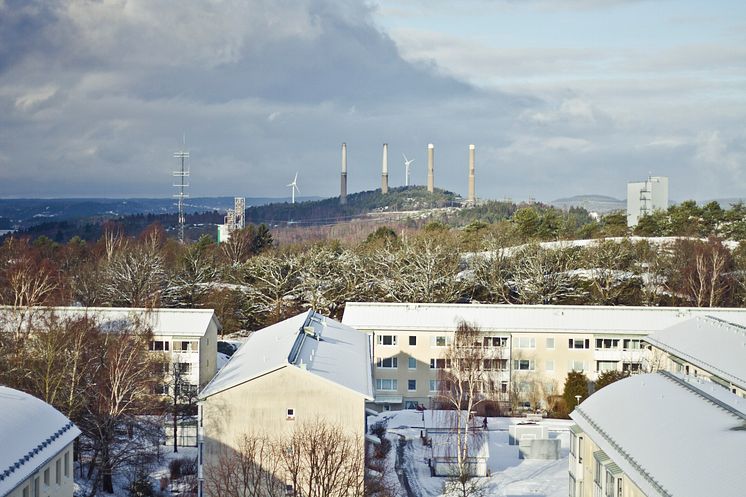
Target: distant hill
point(592, 203)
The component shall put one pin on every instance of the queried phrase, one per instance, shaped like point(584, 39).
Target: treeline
point(251, 282)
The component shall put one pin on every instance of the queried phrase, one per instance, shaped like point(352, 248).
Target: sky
point(560, 97)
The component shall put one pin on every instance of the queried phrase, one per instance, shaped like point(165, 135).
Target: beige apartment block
point(36, 447)
point(531, 347)
point(704, 347)
point(301, 370)
point(658, 435)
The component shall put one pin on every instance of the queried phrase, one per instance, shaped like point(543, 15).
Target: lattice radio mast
point(180, 183)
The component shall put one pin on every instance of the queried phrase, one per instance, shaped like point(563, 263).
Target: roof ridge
point(31, 453)
point(697, 391)
point(737, 327)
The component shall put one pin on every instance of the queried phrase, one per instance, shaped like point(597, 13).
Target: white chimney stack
point(430, 167)
point(343, 189)
point(385, 169)
point(472, 198)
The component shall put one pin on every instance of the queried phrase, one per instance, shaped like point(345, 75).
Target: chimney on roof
point(471, 199)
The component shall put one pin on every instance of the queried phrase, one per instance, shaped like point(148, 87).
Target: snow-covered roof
point(714, 345)
point(525, 318)
point(444, 445)
point(31, 433)
point(445, 420)
point(677, 436)
point(169, 322)
point(311, 342)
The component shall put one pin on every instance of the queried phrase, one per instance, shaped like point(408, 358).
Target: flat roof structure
point(712, 344)
point(671, 435)
point(308, 341)
point(182, 322)
point(527, 318)
point(31, 433)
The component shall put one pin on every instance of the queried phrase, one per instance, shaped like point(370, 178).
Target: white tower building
point(645, 197)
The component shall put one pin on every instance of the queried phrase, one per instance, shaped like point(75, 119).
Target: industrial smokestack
point(472, 198)
point(430, 167)
point(343, 189)
point(385, 169)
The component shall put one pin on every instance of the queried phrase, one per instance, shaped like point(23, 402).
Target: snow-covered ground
point(509, 475)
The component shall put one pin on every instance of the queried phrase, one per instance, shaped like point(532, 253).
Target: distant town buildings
point(659, 435)
point(36, 456)
point(646, 197)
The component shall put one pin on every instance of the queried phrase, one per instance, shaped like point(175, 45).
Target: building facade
point(36, 447)
point(658, 435)
point(646, 197)
point(305, 369)
point(529, 349)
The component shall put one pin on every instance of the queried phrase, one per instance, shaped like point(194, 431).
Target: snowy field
point(509, 475)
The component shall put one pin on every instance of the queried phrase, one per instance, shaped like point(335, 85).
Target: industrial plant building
point(36, 458)
point(305, 369)
point(659, 435)
point(529, 349)
point(646, 197)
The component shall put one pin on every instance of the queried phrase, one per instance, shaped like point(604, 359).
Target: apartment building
point(36, 458)
point(704, 347)
point(659, 435)
point(185, 337)
point(301, 370)
point(529, 349)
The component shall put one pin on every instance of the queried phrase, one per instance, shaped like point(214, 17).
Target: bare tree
point(702, 270)
point(274, 284)
point(544, 276)
point(462, 390)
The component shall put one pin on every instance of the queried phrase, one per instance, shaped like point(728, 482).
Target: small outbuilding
point(444, 454)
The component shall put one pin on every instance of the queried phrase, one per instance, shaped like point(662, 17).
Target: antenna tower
point(180, 183)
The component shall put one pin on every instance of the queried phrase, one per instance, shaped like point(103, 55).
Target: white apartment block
point(187, 337)
point(36, 447)
point(646, 197)
point(529, 348)
point(659, 435)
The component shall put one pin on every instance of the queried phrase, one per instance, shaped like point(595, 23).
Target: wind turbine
point(406, 165)
point(294, 187)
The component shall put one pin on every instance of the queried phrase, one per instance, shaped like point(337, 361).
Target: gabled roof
point(169, 322)
point(525, 318)
point(712, 344)
point(31, 433)
point(672, 435)
point(310, 342)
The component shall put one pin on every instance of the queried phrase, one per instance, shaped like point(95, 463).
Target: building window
point(525, 343)
point(46, 477)
point(186, 346)
point(440, 341)
point(67, 464)
point(504, 387)
point(609, 488)
point(523, 365)
point(631, 344)
point(597, 473)
point(579, 343)
point(386, 339)
point(578, 366)
point(184, 367)
point(549, 365)
point(495, 342)
point(290, 413)
point(632, 367)
point(58, 471)
point(159, 345)
point(387, 362)
point(495, 364)
point(602, 366)
point(550, 343)
point(412, 340)
point(607, 343)
point(386, 384)
point(27, 491)
point(412, 363)
point(411, 385)
point(37, 490)
point(435, 385)
point(289, 490)
point(440, 363)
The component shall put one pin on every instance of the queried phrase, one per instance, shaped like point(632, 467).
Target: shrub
point(182, 466)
